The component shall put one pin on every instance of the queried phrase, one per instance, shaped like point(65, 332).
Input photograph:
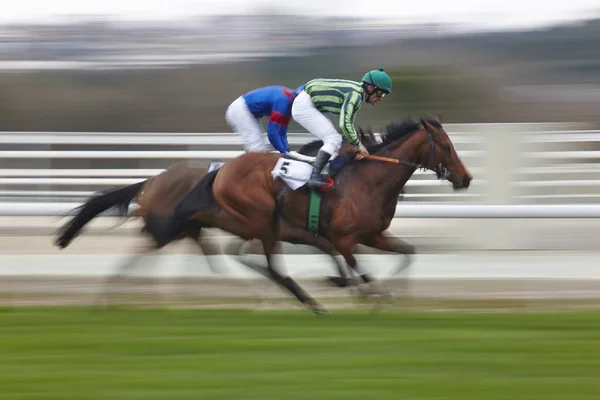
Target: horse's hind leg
point(295, 235)
point(345, 279)
point(235, 247)
point(299, 236)
point(203, 247)
point(208, 249)
point(238, 250)
point(122, 270)
point(269, 243)
point(291, 285)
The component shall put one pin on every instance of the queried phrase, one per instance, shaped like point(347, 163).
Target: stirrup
point(328, 184)
point(316, 184)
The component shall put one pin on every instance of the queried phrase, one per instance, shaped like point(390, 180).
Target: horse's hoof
point(366, 295)
point(319, 310)
point(338, 281)
point(388, 296)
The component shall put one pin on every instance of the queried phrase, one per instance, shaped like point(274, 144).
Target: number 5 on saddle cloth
point(296, 173)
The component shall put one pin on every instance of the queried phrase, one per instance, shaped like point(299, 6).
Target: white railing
point(519, 169)
point(402, 210)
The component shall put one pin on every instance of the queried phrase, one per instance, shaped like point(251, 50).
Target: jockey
point(342, 98)
point(244, 114)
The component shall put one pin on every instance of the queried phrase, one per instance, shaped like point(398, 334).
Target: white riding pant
point(241, 120)
point(306, 114)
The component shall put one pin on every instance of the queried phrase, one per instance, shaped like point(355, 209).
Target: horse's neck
point(388, 178)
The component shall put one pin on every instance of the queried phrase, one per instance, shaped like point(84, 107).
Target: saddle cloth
point(294, 173)
point(214, 165)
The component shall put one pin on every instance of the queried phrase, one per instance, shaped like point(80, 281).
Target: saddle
point(295, 169)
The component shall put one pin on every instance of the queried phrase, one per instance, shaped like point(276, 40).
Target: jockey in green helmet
point(342, 98)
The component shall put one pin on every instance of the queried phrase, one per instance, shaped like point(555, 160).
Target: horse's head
point(439, 155)
point(424, 144)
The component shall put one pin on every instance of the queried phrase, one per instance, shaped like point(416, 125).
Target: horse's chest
point(377, 216)
point(355, 216)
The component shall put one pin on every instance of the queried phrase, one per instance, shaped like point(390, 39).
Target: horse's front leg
point(344, 246)
point(300, 236)
point(392, 244)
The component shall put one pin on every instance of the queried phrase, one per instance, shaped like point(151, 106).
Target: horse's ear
point(361, 133)
point(366, 135)
point(425, 124)
point(371, 135)
point(438, 117)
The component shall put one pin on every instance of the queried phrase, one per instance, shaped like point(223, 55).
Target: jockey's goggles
point(380, 92)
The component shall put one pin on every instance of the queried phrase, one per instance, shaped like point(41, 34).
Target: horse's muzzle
point(462, 183)
point(467, 181)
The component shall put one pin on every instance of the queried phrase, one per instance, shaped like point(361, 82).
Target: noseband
point(440, 170)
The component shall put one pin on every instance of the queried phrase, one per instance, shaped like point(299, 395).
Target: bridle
point(440, 170)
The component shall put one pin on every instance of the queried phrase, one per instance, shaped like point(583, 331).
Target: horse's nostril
point(466, 181)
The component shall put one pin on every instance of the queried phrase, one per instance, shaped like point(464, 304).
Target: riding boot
point(316, 180)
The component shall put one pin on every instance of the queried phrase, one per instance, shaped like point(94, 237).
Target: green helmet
point(379, 78)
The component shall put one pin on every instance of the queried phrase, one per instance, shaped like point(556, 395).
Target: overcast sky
point(492, 13)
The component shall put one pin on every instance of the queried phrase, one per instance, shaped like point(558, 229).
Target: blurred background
point(104, 94)
point(175, 66)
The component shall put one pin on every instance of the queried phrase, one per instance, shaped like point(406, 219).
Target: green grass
point(69, 353)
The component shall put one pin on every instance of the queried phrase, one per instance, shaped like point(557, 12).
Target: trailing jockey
point(342, 98)
point(244, 114)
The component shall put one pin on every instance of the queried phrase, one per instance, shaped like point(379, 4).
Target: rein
point(384, 159)
point(392, 161)
point(441, 171)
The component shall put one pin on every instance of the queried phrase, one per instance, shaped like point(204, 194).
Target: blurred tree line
point(464, 78)
point(195, 99)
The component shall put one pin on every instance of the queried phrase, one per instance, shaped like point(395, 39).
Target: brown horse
point(252, 205)
point(368, 138)
point(159, 195)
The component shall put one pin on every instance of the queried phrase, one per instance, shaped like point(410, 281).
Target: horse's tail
point(119, 199)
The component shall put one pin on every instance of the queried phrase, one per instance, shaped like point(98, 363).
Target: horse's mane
point(394, 131)
point(366, 136)
point(310, 147)
point(398, 130)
